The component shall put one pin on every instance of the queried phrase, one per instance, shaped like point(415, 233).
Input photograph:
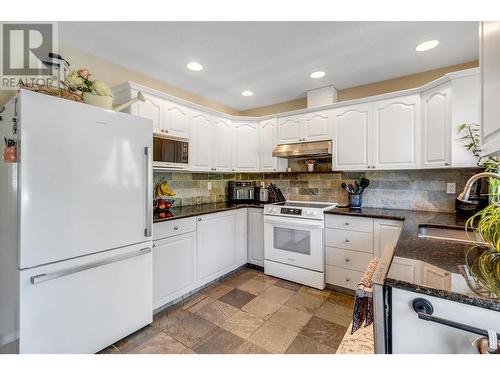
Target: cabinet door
point(246, 146)
point(268, 141)
point(317, 126)
point(178, 119)
point(174, 267)
point(216, 237)
point(222, 145)
point(489, 57)
point(396, 133)
point(436, 127)
point(289, 129)
point(351, 127)
point(405, 269)
point(153, 109)
point(256, 236)
point(435, 277)
point(241, 237)
point(385, 235)
point(200, 147)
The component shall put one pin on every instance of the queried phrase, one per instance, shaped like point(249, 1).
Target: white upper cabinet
point(289, 129)
point(351, 138)
point(268, 141)
point(221, 145)
point(245, 146)
point(436, 127)
point(178, 119)
point(152, 108)
point(489, 58)
point(396, 132)
point(317, 126)
point(201, 145)
point(307, 127)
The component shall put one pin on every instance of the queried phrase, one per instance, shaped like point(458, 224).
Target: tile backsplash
point(423, 190)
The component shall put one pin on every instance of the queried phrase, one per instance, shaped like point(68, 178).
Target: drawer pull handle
point(347, 240)
point(346, 223)
point(347, 279)
point(176, 228)
point(347, 259)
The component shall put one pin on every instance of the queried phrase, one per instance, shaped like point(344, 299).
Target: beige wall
point(375, 88)
point(114, 74)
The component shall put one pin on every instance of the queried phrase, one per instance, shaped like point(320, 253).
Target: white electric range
point(294, 241)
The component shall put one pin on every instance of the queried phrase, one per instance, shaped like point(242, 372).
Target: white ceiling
point(273, 59)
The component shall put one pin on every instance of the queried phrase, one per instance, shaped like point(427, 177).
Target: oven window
point(296, 241)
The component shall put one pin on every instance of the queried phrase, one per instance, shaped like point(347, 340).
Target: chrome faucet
point(464, 195)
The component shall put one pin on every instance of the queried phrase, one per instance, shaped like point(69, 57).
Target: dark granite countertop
point(202, 209)
point(427, 256)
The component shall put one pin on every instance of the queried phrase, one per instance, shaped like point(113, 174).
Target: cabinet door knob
point(176, 228)
point(347, 259)
point(346, 223)
point(199, 219)
point(347, 240)
point(447, 164)
point(347, 279)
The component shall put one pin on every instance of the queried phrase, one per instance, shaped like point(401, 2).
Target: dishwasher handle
point(424, 310)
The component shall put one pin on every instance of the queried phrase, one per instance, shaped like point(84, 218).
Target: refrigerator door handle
point(149, 191)
point(37, 279)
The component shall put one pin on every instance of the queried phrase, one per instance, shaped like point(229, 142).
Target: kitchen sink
point(447, 234)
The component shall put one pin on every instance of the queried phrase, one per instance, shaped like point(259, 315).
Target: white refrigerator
point(83, 222)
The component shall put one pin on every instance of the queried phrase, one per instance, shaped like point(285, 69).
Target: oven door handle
point(304, 223)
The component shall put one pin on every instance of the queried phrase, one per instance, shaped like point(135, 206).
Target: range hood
point(320, 149)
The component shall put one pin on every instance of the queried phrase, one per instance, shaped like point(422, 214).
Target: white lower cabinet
point(174, 267)
point(256, 236)
point(350, 249)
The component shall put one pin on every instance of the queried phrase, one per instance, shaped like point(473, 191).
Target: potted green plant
point(93, 92)
point(470, 135)
point(483, 261)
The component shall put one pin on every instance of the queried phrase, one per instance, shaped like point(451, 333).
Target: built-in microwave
point(170, 152)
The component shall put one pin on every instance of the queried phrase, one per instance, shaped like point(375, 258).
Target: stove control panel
point(291, 211)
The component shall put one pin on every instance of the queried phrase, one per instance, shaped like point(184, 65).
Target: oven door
point(297, 242)
point(170, 153)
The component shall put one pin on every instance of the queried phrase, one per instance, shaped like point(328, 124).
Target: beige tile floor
point(248, 312)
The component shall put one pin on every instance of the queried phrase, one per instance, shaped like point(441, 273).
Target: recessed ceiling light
point(194, 66)
point(425, 46)
point(317, 74)
point(247, 93)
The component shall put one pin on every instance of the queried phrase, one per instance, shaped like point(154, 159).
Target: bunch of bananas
point(162, 188)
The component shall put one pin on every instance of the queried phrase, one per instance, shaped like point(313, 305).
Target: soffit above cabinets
point(273, 59)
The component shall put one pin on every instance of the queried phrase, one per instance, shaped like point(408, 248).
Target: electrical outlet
point(209, 186)
point(451, 188)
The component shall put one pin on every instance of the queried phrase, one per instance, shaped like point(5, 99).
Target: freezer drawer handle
point(55, 275)
point(424, 310)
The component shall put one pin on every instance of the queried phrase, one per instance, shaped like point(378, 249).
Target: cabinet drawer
point(343, 277)
point(360, 224)
point(173, 227)
point(350, 240)
point(354, 260)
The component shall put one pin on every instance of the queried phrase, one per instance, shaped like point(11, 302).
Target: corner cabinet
point(268, 135)
point(200, 147)
point(222, 153)
point(245, 146)
point(489, 58)
point(396, 133)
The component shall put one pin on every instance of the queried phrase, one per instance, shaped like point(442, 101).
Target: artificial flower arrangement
point(94, 92)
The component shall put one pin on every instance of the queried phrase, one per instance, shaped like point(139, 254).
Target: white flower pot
point(97, 100)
